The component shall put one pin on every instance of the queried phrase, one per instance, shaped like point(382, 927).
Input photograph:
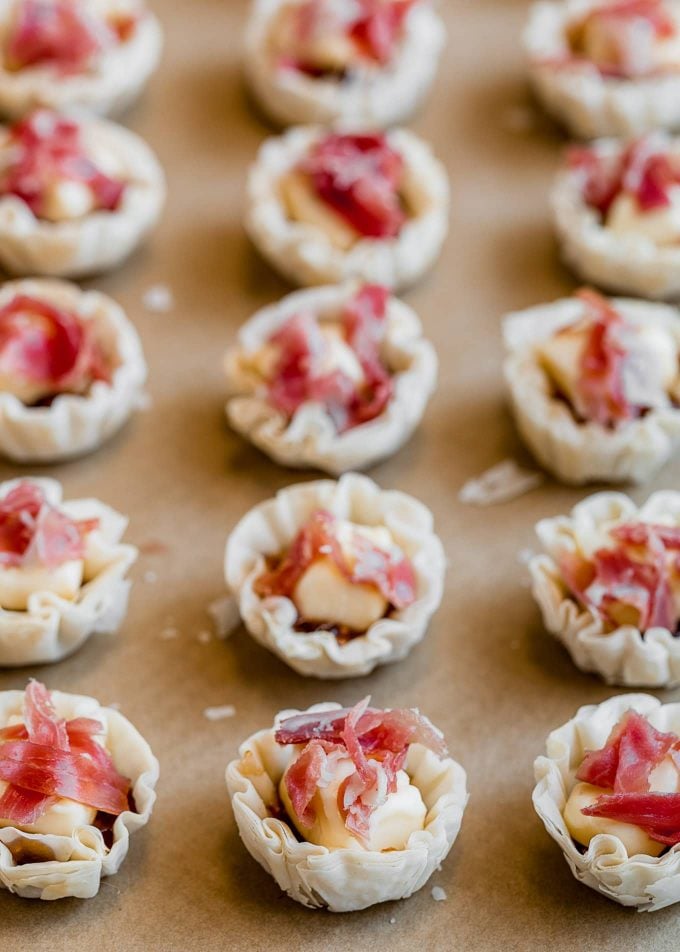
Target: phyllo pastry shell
point(336, 577)
point(323, 61)
point(616, 210)
point(78, 779)
point(77, 196)
point(63, 571)
point(607, 67)
point(594, 386)
point(618, 762)
point(91, 55)
point(609, 589)
point(389, 824)
point(324, 206)
point(335, 378)
point(71, 370)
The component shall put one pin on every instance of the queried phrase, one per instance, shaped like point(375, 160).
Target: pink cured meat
point(633, 749)
point(377, 743)
point(46, 758)
point(391, 574)
point(359, 177)
point(644, 170)
point(62, 34)
point(46, 148)
point(301, 345)
point(32, 529)
point(658, 814)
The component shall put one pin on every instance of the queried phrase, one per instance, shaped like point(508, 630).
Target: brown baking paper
point(486, 673)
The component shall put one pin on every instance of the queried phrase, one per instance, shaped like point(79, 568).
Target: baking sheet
point(486, 672)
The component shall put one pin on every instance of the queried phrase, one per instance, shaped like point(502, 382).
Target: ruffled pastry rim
point(86, 858)
point(624, 656)
point(648, 882)
point(53, 627)
point(74, 425)
point(303, 254)
point(269, 527)
point(386, 97)
point(342, 880)
point(625, 264)
point(100, 240)
point(309, 439)
point(575, 452)
point(117, 79)
point(589, 104)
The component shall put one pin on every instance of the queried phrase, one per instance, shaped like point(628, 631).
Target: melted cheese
point(323, 594)
point(663, 779)
point(66, 200)
point(661, 225)
point(303, 205)
point(17, 584)
point(391, 824)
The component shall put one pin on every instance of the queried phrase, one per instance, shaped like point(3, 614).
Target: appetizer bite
point(347, 807)
point(595, 386)
point(77, 196)
point(63, 571)
point(607, 67)
point(608, 586)
point(616, 210)
point(94, 55)
point(336, 377)
point(363, 62)
point(76, 779)
point(329, 206)
point(336, 577)
point(608, 792)
point(71, 370)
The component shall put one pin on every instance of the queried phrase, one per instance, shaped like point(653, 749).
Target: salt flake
point(438, 894)
point(219, 713)
point(158, 299)
point(225, 616)
point(503, 482)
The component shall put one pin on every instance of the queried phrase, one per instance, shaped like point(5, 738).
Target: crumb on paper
point(143, 401)
point(438, 894)
point(225, 616)
point(505, 481)
point(518, 119)
point(204, 637)
point(219, 713)
point(169, 633)
point(393, 920)
point(151, 577)
point(158, 299)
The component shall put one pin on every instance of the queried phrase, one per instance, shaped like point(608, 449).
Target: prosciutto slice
point(301, 346)
point(600, 386)
point(379, 27)
point(45, 149)
point(47, 758)
point(390, 572)
point(62, 34)
point(377, 743)
point(49, 346)
point(645, 170)
point(634, 572)
point(359, 176)
point(32, 531)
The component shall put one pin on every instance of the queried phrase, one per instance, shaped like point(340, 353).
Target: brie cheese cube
point(324, 595)
point(62, 819)
point(391, 824)
point(561, 356)
point(24, 389)
point(17, 584)
point(66, 200)
point(338, 355)
point(303, 205)
point(661, 225)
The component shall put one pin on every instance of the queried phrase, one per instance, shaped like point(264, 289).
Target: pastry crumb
point(438, 894)
point(505, 481)
point(167, 634)
point(204, 637)
point(524, 556)
point(158, 299)
point(225, 616)
point(393, 920)
point(219, 713)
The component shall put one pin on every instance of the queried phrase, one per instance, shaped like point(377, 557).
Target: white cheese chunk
point(391, 824)
point(66, 200)
point(17, 584)
point(323, 594)
point(303, 205)
point(660, 225)
point(62, 818)
point(338, 355)
point(561, 356)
